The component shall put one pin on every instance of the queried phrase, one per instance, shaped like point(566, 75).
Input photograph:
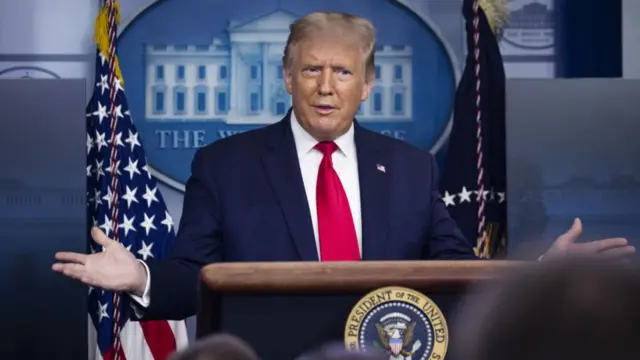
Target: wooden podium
point(284, 309)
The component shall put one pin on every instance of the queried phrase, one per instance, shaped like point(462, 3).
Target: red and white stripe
point(153, 340)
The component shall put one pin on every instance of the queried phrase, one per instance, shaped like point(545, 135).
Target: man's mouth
point(324, 109)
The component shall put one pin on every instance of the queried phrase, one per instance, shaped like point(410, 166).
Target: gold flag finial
point(101, 34)
point(497, 12)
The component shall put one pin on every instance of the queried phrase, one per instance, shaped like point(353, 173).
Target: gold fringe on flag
point(482, 247)
point(101, 34)
point(486, 246)
point(497, 12)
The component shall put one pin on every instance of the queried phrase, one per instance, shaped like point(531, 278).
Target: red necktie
point(338, 240)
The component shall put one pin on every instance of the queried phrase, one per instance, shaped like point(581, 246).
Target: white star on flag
point(464, 196)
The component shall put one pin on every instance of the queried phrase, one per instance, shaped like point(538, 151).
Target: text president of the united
point(314, 186)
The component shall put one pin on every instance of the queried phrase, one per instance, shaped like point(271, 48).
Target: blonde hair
point(347, 25)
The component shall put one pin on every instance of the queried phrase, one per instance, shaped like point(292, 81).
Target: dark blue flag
point(473, 182)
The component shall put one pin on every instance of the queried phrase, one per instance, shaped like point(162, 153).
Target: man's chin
point(327, 131)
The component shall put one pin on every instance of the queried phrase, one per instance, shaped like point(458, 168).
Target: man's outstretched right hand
point(115, 268)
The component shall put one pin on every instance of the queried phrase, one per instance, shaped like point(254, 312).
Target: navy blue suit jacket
point(245, 201)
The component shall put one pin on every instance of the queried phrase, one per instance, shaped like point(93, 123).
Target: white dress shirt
point(345, 163)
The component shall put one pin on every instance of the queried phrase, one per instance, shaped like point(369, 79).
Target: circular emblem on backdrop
point(196, 71)
point(531, 25)
point(28, 72)
point(400, 322)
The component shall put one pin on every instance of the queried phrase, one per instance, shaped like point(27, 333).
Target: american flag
point(124, 201)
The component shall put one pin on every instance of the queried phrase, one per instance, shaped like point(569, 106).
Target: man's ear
point(366, 89)
point(287, 75)
point(369, 78)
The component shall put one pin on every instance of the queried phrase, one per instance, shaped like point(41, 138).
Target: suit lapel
point(283, 170)
point(374, 194)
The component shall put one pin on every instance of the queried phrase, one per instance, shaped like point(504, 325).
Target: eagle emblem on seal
point(395, 332)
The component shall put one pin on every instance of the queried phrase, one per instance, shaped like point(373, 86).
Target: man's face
point(327, 82)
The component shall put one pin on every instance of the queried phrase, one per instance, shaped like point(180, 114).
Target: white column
point(234, 90)
point(264, 47)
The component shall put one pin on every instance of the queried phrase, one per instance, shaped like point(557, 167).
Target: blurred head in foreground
point(337, 351)
point(567, 310)
point(217, 347)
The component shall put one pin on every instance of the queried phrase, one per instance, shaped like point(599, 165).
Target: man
point(314, 186)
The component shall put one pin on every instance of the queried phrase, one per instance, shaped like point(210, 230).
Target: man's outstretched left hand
point(566, 246)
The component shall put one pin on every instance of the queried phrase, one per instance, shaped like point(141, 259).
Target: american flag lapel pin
point(381, 168)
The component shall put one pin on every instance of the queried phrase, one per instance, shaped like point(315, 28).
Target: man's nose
point(325, 83)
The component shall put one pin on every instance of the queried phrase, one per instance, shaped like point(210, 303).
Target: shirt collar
point(305, 142)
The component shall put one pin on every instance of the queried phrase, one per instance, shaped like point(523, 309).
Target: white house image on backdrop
point(240, 81)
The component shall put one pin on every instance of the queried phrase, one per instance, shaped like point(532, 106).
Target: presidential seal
point(400, 322)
